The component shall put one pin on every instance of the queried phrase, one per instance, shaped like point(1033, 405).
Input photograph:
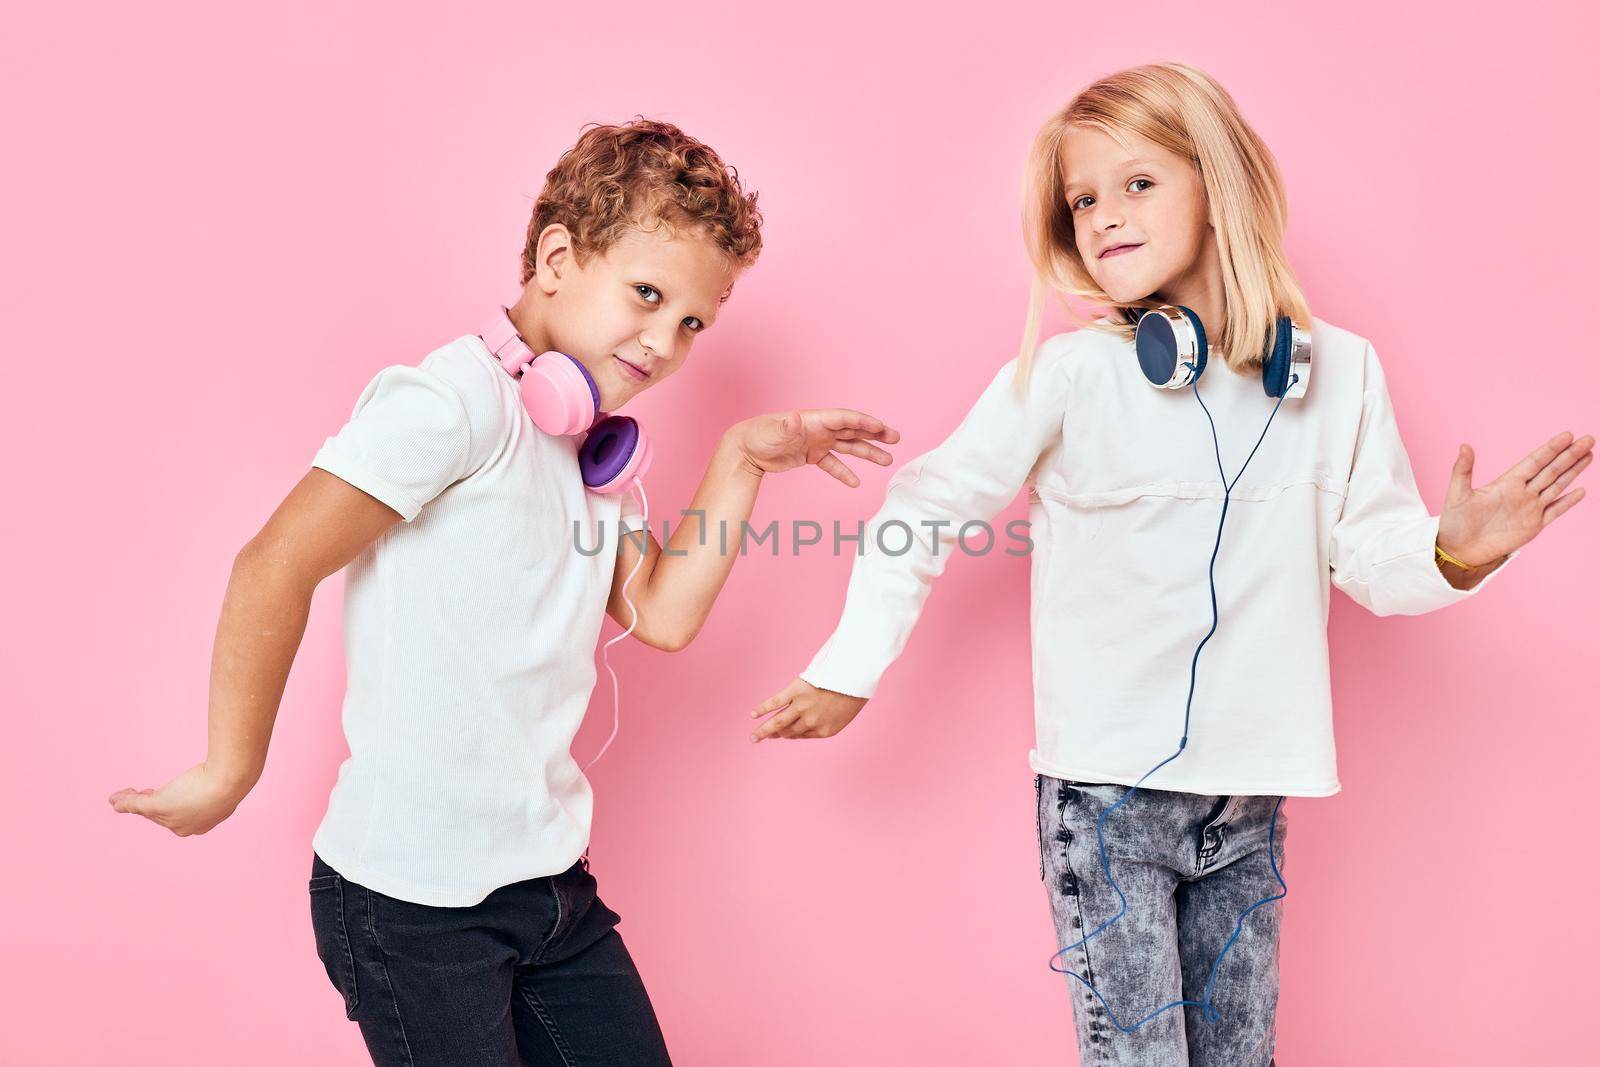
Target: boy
point(451, 896)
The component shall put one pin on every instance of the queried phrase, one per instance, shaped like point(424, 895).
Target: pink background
point(221, 223)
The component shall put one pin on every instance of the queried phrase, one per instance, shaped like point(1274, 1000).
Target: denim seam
point(555, 927)
point(1038, 818)
point(549, 1024)
point(1091, 1002)
point(353, 999)
point(352, 996)
point(1217, 827)
point(383, 972)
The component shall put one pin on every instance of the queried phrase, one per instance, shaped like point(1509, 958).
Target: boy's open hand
point(1480, 525)
point(803, 710)
point(789, 439)
point(191, 803)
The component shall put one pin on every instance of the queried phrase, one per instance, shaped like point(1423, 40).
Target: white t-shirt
point(1123, 512)
point(470, 632)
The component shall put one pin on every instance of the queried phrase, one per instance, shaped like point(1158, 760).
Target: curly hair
point(642, 173)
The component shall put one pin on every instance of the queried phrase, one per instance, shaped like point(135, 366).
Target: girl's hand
point(789, 439)
point(1478, 526)
point(803, 710)
point(191, 803)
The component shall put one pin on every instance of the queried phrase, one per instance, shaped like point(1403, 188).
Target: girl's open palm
point(803, 710)
point(1480, 525)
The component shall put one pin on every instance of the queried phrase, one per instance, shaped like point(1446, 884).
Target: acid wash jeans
point(1188, 864)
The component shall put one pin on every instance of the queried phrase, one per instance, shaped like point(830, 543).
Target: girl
point(1149, 190)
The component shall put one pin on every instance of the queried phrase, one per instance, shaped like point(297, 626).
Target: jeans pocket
point(333, 939)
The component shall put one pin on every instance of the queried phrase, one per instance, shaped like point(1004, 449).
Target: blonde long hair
point(1186, 112)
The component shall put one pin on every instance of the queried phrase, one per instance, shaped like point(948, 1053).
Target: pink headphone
point(562, 399)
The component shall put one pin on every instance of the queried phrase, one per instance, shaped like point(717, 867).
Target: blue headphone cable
point(1208, 1009)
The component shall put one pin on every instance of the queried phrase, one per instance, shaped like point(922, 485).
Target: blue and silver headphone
point(1170, 342)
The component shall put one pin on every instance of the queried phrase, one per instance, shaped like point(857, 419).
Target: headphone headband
point(500, 336)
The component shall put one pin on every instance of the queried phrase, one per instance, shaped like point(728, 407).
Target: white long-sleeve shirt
point(1123, 508)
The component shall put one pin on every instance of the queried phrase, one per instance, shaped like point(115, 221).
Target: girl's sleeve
point(972, 475)
point(415, 431)
point(1381, 546)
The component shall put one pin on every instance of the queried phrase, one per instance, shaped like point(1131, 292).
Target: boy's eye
point(648, 292)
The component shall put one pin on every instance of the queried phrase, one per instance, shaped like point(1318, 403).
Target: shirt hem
point(1219, 787)
point(411, 892)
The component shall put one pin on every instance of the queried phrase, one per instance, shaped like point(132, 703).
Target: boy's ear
point(553, 257)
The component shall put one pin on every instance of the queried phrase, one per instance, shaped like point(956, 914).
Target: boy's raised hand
point(789, 439)
point(803, 710)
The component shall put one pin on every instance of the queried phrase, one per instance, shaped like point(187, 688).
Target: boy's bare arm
point(321, 525)
point(674, 590)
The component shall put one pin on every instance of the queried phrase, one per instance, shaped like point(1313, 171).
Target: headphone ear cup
point(614, 454)
point(1170, 344)
point(1201, 347)
point(560, 396)
point(1275, 368)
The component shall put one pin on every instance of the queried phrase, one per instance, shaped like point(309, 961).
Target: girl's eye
point(1078, 204)
point(648, 293)
point(1137, 181)
point(694, 324)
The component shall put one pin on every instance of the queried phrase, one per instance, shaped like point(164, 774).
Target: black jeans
point(536, 973)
